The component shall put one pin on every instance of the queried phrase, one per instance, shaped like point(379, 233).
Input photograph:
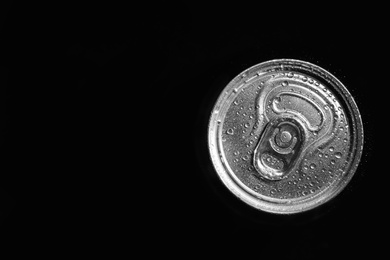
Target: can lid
point(285, 136)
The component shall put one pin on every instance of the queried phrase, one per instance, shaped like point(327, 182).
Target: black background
point(104, 112)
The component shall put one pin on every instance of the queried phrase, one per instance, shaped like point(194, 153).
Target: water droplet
point(236, 153)
point(290, 74)
point(338, 155)
point(345, 140)
point(332, 162)
point(284, 83)
point(313, 166)
point(230, 131)
point(311, 81)
point(304, 79)
point(341, 128)
point(331, 149)
point(245, 158)
point(246, 125)
point(326, 107)
point(235, 102)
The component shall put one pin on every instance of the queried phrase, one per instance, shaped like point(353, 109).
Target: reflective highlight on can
point(285, 136)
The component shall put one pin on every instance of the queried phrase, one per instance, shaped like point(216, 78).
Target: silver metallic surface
point(285, 136)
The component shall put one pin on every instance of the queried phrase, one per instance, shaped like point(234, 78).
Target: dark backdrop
point(104, 112)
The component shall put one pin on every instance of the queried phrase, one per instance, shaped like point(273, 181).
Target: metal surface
point(285, 136)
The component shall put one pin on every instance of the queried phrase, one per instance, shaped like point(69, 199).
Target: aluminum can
point(285, 136)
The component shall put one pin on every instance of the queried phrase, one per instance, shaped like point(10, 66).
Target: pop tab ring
point(285, 136)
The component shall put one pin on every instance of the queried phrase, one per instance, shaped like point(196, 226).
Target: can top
point(285, 136)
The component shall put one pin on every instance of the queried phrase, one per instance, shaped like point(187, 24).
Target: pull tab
point(278, 149)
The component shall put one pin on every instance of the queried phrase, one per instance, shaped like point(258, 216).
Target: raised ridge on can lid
point(285, 136)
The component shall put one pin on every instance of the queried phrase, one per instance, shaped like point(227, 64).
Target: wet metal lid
point(285, 136)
